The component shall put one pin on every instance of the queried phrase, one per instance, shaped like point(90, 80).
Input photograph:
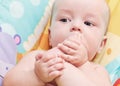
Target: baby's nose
point(75, 29)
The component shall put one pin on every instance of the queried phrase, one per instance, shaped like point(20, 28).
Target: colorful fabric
point(113, 69)
point(117, 83)
point(112, 49)
point(8, 54)
point(19, 18)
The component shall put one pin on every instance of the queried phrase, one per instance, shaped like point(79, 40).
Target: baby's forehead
point(58, 2)
point(99, 5)
point(91, 4)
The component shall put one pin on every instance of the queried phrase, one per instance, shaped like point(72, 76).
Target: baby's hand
point(74, 50)
point(48, 66)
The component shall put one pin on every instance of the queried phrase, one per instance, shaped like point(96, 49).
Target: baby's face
point(84, 17)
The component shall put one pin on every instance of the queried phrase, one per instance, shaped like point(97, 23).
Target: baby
point(76, 35)
point(78, 30)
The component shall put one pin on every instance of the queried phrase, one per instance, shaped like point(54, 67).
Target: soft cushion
point(19, 18)
point(112, 49)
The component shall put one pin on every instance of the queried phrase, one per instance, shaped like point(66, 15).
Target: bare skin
point(48, 68)
point(87, 25)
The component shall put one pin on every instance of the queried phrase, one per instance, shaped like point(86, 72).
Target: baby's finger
point(70, 59)
point(58, 67)
point(47, 57)
point(55, 74)
point(71, 44)
point(66, 49)
point(65, 57)
point(54, 61)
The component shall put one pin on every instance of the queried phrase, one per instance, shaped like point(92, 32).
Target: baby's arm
point(74, 50)
point(72, 76)
point(89, 74)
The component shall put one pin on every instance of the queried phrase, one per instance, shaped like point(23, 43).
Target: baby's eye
point(65, 20)
point(88, 23)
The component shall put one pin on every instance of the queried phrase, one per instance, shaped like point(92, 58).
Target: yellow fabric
point(43, 43)
point(114, 25)
point(112, 49)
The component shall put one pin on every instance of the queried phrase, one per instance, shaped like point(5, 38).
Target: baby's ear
point(102, 45)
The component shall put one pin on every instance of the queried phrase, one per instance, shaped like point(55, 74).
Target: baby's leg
point(23, 73)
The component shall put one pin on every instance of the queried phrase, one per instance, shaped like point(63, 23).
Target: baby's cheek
point(91, 54)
